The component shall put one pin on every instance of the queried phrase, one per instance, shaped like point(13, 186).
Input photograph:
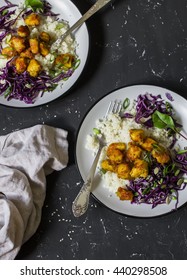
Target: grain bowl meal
point(33, 57)
point(142, 161)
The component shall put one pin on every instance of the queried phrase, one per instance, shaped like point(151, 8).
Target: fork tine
point(114, 107)
point(117, 107)
point(109, 108)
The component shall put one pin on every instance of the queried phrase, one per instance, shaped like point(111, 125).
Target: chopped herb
point(7, 92)
point(77, 63)
point(35, 5)
point(59, 26)
point(126, 103)
point(182, 152)
point(4, 12)
point(96, 131)
point(161, 120)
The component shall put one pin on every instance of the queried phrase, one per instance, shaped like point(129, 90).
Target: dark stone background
point(131, 42)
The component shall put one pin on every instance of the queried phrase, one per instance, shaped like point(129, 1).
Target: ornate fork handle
point(96, 7)
point(81, 202)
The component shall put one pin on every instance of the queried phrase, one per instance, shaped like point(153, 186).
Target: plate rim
point(24, 105)
point(76, 159)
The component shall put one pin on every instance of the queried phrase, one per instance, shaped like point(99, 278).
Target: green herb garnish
point(77, 63)
point(4, 12)
point(96, 131)
point(7, 92)
point(161, 120)
point(182, 152)
point(126, 103)
point(35, 5)
point(59, 25)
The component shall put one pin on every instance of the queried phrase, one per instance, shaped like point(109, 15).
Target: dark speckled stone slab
point(131, 42)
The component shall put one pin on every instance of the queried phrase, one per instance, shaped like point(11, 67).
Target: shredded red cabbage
point(5, 22)
point(26, 88)
point(146, 105)
point(169, 96)
point(163, 183)
point(181, 161)
point(23, 87)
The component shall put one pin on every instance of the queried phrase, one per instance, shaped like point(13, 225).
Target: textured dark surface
point(131, 42)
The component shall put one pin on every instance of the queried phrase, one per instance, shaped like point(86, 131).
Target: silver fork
point(81, 202)
point(96, 7)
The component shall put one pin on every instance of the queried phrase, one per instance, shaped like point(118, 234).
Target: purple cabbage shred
point(163, 183)
point(169, 96)
point(23, 87)
point(146, 105)
point(26, 88)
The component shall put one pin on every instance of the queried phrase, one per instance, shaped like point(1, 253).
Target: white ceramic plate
point(69, 12)
point(84, 157)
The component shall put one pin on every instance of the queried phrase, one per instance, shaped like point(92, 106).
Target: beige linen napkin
point(26, 157)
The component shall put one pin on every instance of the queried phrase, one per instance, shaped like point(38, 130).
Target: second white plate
point(70, 13)
point(84, 157)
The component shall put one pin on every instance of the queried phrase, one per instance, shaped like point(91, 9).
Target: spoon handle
point(96, 7)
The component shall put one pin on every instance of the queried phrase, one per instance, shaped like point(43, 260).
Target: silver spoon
point(96, 7)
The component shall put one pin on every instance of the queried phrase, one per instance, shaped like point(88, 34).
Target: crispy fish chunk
point(116, 145)
point(133, 152)
point(8, 52)
point(18, 43)
point(140, 169)
point(116, 156)
point(32, 20)
point(161, 155)
point(115, 152)
point(123, 171)
point(34, 45)
point(44, 50)
point(64, 60)
point(21, 64)
point(34, 68)
point(107, 165)
point(27, 53)
point(137, 135)
point(45, 37)
point(148, 144)
point(23, 31)
point(124, 194)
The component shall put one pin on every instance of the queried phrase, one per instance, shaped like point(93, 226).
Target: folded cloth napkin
point(26, 157)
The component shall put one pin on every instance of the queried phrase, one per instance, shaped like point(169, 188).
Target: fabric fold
point(26, 158)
